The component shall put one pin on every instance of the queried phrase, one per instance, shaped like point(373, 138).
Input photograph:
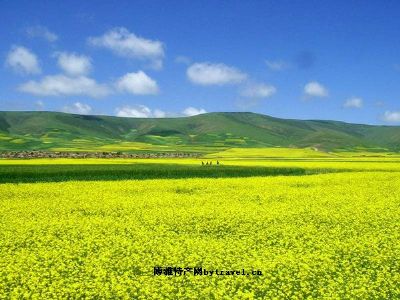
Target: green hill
point(209, 132)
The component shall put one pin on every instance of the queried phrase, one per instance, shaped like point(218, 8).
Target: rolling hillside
point(209, 132)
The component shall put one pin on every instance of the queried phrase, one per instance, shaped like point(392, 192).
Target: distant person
point(210, 163)
point(217, 163)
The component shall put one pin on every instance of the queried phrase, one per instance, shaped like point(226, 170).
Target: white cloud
point(39, 105)
point(258, 90)
point(78, 108)
point(192, 111)
point(276, 65)
point(139, 111)
point(124, 43)
point(142, 111)
point(22, 60)
point(214, 74)
point(353, 103)
point(156, 64)
point(74, 64)
point(183, 60)
point(315, 89)
point(137, 83)
point(61, 85)
point(391, 116)
point(157, 113)
point(41, 32)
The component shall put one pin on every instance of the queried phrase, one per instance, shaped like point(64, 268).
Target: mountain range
point(54, 131)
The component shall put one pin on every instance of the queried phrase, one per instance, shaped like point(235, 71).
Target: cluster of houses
point(45, 154)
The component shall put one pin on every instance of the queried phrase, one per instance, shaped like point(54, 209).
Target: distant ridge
point(54, 131)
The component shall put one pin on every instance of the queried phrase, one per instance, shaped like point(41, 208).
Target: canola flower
point(327, 236)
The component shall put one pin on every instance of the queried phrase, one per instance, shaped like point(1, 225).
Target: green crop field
point(316, 227)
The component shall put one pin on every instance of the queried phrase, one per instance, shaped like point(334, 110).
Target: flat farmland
point(315, 228)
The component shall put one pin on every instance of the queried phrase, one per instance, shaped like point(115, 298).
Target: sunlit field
point(208, 150)
point(316, 227)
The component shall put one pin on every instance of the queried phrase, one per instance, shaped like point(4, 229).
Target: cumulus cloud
point(78, 108)
point(391, 116)
point(126, 44)
point(142, 111)
point(137, 83)
point(258, 90)
point(41, 32)
point(252, 94)
point(74, 64)
point(214, 74)
point(61, 85)
point(277, 65)
point(353, 102)
point(315, 89)
point(192, 111)
point(22, 60)
point(139, 111)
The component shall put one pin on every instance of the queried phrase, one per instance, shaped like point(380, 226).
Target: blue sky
point(291, 59)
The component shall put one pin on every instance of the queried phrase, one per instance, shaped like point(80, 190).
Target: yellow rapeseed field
point(329, 236)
